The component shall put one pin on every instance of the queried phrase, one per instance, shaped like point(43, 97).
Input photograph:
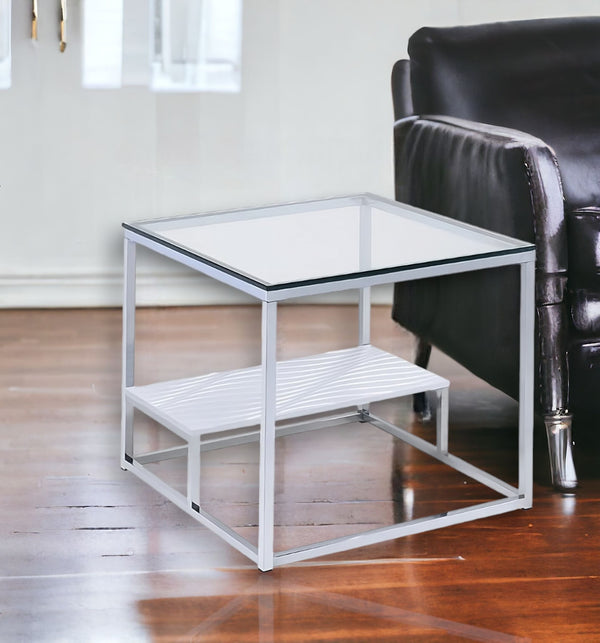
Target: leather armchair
point(499, 125)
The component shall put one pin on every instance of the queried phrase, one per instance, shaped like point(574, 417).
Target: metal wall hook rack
point(34, 20)
point(62, 18)
point(63, 25)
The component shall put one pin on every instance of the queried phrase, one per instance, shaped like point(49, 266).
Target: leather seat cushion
point(584, 268)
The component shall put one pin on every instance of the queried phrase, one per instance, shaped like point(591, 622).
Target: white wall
point(313, 119)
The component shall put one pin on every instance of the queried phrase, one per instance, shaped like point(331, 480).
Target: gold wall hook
point(34, 20)
point(63, 25)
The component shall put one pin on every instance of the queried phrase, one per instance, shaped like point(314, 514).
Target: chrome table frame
point(269, 418)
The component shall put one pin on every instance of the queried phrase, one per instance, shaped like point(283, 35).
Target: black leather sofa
point(499, 125)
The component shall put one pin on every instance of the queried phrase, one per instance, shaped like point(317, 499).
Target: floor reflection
point(290, 605)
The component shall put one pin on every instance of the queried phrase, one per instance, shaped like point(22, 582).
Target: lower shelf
point(307, 385)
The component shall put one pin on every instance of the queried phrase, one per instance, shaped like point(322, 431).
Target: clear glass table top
point(293, 244)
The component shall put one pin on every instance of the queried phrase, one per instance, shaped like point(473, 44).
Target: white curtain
point(169, 45)
point(196, 45)
point(102, 28)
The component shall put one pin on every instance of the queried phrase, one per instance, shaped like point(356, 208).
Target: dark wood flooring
point(90, 553)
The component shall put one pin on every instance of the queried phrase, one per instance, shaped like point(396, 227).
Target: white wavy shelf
point(325, 382)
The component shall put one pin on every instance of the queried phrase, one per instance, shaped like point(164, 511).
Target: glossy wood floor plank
point(89, 553)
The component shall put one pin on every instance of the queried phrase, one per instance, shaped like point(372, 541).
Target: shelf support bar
point(128, 357)
point(526, 377)
point(442, 421)
point(364, 301)
point(193, 472)
point(266, 502)
point(364, 294)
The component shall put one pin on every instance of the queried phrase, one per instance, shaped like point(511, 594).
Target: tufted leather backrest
point(537, 76)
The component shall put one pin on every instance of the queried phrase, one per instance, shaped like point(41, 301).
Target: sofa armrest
point(506, 181)
point(500, 179)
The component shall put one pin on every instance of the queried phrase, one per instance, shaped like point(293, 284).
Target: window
point(196, 45)
point(5, 50)
point(170, 45)
point(103, 43)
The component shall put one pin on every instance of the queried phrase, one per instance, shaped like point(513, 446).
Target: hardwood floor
point(90, 553)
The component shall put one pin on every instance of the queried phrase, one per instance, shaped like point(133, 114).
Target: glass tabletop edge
point(354, 276)
point(325, 202)
point(198, 258)
point(332, 202)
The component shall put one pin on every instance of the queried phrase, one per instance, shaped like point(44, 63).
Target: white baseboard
point(92, 291)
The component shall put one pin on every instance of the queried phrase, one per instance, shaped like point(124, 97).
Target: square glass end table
point(287, 251)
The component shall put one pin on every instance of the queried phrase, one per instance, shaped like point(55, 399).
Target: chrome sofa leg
point(560, 441)
point(421, 404)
